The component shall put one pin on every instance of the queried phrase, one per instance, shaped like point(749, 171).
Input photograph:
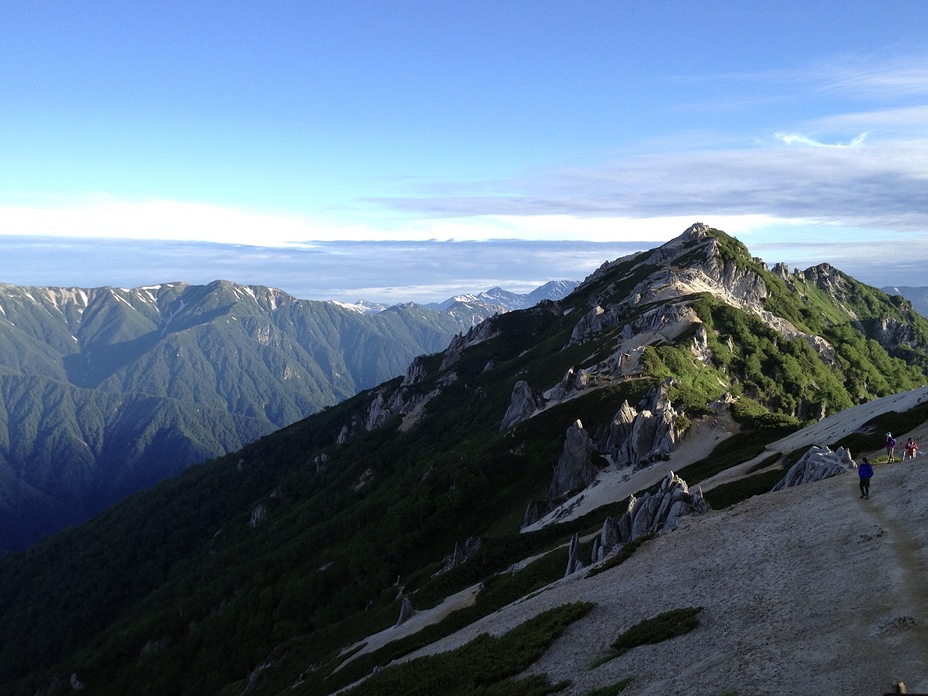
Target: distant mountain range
point(494, 300)
point(538, 444)
point(105, 391)
point(501, 300)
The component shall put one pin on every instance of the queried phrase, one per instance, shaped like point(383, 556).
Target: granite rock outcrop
point(817, 464)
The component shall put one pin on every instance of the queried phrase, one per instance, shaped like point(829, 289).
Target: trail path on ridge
point(807, 590)
point(911, 563)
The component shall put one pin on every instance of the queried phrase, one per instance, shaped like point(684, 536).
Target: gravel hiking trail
point(892, 515)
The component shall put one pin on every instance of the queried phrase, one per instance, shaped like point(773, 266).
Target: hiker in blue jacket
point(865, 471)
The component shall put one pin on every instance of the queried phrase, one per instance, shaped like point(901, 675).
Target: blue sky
point(410, 150)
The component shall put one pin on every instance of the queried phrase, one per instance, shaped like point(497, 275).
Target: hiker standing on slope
point(911, 449)
point(865, 471)
point(890, 447)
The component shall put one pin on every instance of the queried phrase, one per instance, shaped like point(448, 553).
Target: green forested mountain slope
point(250, 573)
point(105, 391)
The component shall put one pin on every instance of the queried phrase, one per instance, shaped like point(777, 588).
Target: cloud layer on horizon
point(394, 272)
point(387, 272)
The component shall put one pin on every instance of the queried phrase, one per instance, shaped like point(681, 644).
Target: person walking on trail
point(911, 449)
point(890, 447)
point(865, 471)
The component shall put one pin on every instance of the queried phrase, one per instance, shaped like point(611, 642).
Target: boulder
point(700, 345)
point(660, 511)
point(462, 553)
point(590, 323)
point(574, 380)
point(377, 413)
point(258, 515)
point(637, 438)
point(816, 464)
point(523, 403)
point(575, 469)
point(535, 511)
point(653, 513)
point(609, 539)
point(406, 613)
point(573, 556)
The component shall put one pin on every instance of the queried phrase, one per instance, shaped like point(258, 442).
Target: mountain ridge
point(260, 569)
point(114, 389)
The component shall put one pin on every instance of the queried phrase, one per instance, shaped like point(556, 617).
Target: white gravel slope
point(808, 590)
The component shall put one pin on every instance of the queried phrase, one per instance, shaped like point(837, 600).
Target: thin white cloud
point(878, 185)
point(854, 167)
point(105, 217)
point(877, 77)
point(880, 77)
point(101, 217)
point(885, 124)
point(795, 138)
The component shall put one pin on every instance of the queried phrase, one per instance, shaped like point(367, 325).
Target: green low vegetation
point(664, 626)
point(486, 665)
point(871, 436)
point(738, 448)
point(727, 494)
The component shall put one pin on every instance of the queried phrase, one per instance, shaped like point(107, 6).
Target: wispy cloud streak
point(795, 138)
point(871, 186)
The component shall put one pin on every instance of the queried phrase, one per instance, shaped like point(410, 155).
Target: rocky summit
point(572, 497)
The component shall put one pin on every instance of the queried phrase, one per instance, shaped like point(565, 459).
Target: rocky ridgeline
point(653, 513)
point(892, 333)
point(691, 264)
point(398, 401)
point(656, 311)
point(405, 400)
point(477, 334)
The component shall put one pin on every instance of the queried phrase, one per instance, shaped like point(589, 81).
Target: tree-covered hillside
point(106, 391)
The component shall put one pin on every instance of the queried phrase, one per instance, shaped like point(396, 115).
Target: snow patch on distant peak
point(361, 306)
